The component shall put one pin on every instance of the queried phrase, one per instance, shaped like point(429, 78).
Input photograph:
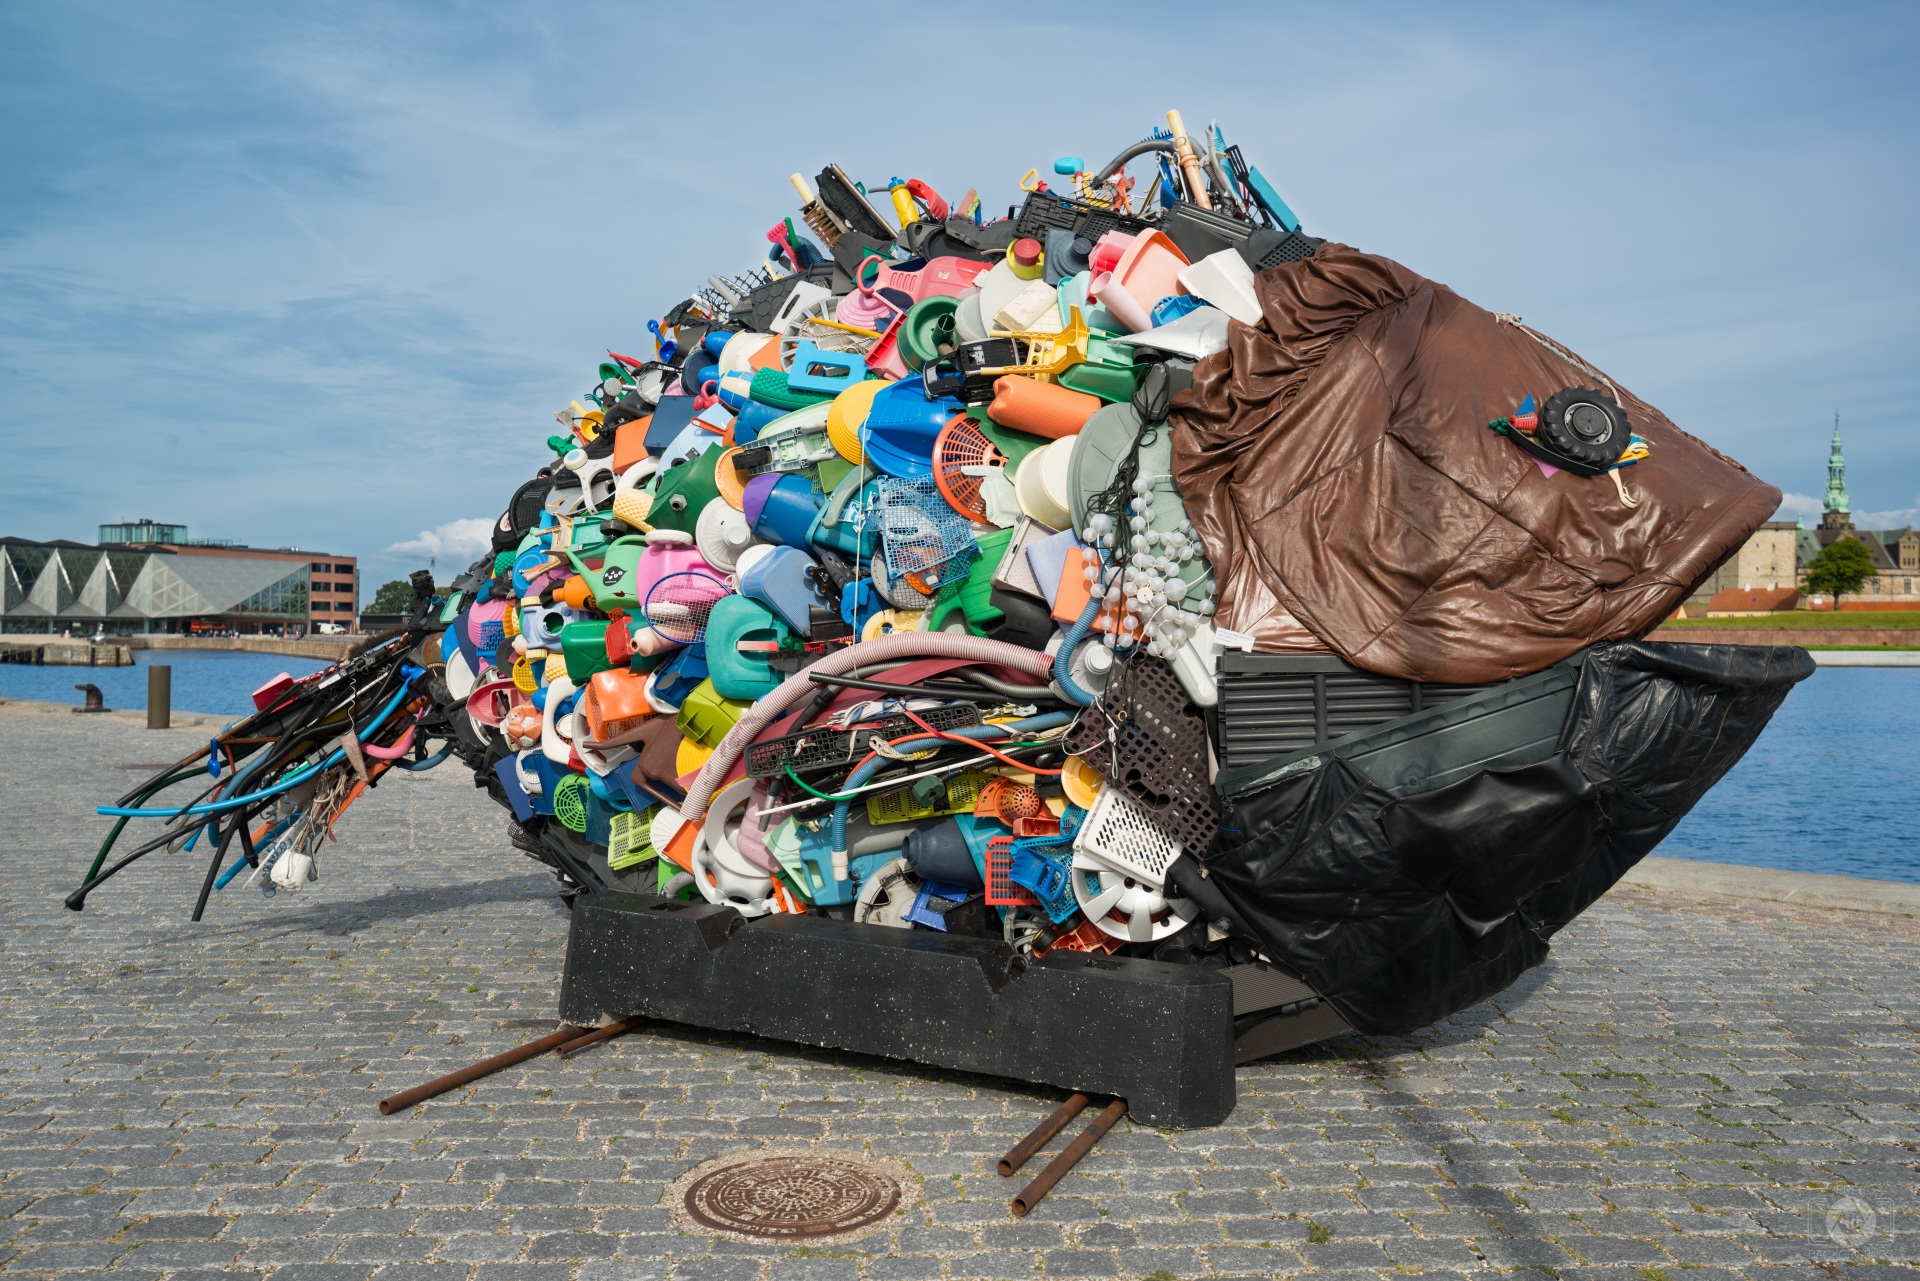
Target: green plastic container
point(975, 599)
point(584, 645)
point(684, 493)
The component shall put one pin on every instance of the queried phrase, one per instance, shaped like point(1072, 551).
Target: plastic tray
point(1159, 753)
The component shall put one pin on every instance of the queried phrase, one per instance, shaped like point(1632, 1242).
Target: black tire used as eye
point(1585, 425)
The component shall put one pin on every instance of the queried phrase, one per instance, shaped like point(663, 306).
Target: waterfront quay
point(1695, 1086)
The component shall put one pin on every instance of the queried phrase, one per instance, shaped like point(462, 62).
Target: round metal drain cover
point(792, 1198)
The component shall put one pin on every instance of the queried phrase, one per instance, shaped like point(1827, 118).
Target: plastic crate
point(1001, 891)
point(1045, 210)
point(898, 807)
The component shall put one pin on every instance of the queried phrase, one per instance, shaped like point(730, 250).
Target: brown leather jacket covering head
point(1336, 459)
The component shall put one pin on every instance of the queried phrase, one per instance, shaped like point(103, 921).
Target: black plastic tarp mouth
point(1402, 907)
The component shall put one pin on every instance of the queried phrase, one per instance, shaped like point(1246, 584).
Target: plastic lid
point(1026, 251)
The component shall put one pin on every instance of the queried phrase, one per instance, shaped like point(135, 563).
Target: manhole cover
point(792, 1198)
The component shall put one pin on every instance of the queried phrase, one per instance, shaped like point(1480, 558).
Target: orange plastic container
point(1043, 409)
point(616, 706)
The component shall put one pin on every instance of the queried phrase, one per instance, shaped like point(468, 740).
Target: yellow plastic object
point(889, 621)
point(727, 480)
point(556, 668)
point(1081, 782)
point(510, 622)
point(848, 414)
point(523, 678)
point(963, 790)
point(628, 842)
point(689, 756)
point(706, 716)
point(903, 208)
point(1048, 355)
point(632, 506)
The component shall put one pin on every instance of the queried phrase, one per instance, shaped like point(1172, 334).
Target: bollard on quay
point(160, 697)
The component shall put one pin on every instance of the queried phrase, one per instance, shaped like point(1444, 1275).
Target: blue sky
point(319, 275)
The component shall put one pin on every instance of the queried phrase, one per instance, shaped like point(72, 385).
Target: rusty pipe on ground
point(1058, 1167)
point(486, 1067)
point(1026, 1147)
point(598, 1035)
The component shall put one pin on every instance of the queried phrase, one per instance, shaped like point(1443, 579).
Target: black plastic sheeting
point(1402, 912)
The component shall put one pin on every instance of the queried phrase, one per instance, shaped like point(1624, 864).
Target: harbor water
point(217, 683)
point(1833, 784)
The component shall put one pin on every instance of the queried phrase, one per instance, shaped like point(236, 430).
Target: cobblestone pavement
point(1687, 1088)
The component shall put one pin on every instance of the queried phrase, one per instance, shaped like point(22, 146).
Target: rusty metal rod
point(598, 1035)
point(1012, 1161)
point(486, 1067)
point(1058, 1167)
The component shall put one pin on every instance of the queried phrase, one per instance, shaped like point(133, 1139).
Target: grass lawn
point(1811, 618)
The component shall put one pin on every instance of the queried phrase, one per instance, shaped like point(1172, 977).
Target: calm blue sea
point(1833, 785)
point(202, 682)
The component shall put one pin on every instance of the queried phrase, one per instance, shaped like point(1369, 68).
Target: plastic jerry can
point(785, 583)
point(736, 674)
point(584, 645)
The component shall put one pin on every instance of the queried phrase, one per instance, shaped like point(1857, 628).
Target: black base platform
point(1160, 1036)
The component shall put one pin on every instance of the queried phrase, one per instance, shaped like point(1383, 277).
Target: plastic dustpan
point(902, 426)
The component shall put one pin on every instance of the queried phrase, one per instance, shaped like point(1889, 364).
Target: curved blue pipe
point(290, 781)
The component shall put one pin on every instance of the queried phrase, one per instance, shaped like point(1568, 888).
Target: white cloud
point(1792, 505)
point(1898, 519)
point(458, 543)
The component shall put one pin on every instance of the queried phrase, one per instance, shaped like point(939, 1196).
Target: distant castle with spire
point(1838, 514)
point(1767, 573)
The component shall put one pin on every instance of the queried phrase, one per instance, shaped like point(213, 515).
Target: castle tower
point(1838, 512)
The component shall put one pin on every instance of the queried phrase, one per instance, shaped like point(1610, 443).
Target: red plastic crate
point(1002, 892)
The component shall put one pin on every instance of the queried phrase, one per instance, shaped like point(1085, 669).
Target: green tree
point(1841, 566)
point(395, 597)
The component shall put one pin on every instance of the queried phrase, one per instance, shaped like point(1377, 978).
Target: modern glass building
point(61, 585)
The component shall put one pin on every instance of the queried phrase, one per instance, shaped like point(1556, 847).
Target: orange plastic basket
point(962, 444)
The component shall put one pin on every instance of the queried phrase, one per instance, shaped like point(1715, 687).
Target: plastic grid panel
point(628, 841)
point(1118, 831)
point(921, 532)
point(1059, 853)
point(1045, 210)
point(898, 807)
point(1158, 750)
point(1002, 892)
point(813, 749)
point(1293, 249)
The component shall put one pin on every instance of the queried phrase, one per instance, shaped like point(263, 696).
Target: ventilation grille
point(1117, 831)
point(1295, 247)
point(1273, 704)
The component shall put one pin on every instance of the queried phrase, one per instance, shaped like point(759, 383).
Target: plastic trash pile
point(870, 591)
point(914, 422)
